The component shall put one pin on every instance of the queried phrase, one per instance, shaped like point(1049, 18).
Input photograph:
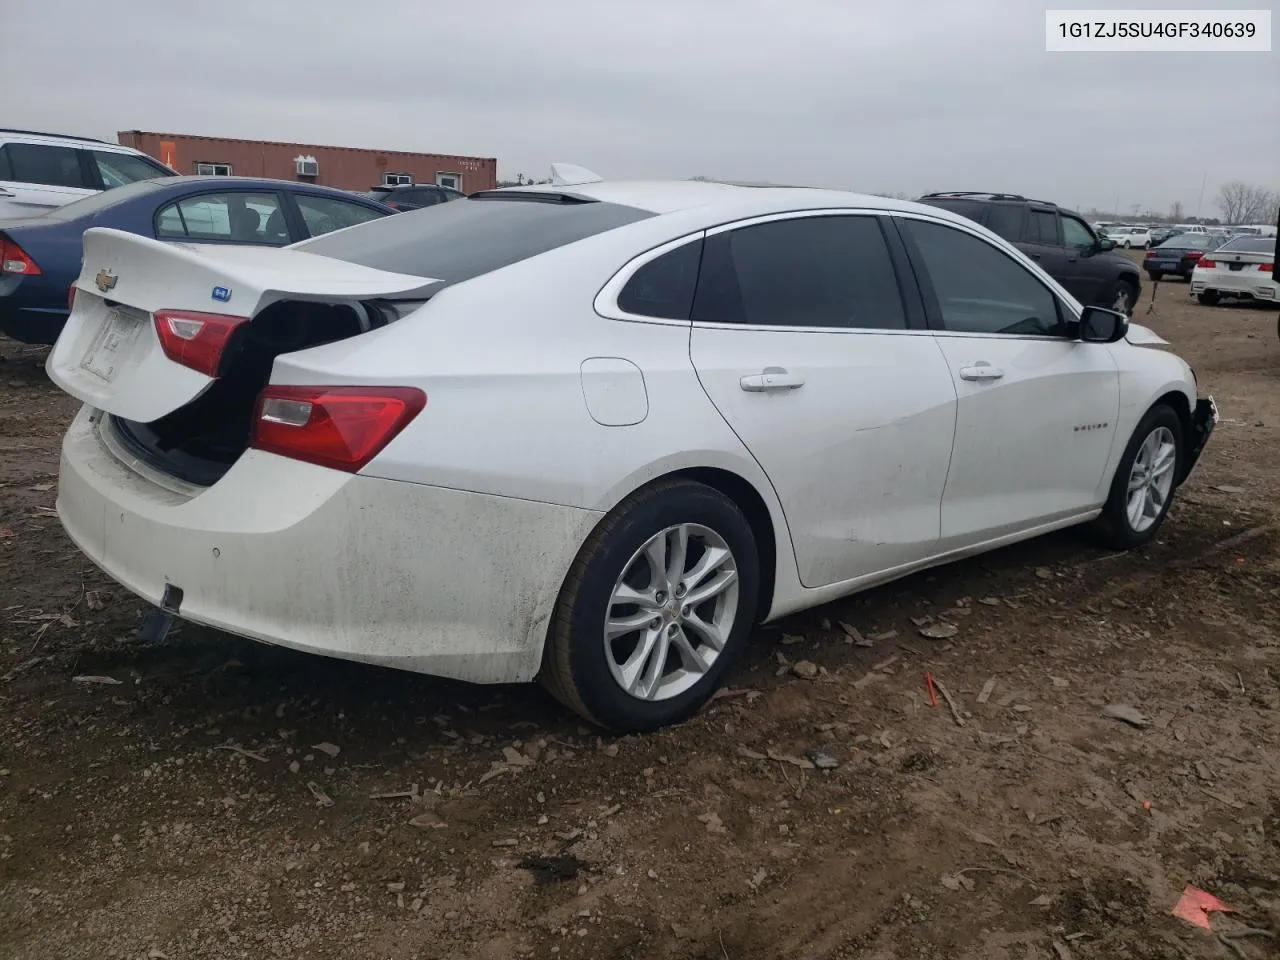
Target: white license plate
point(1167, 264)
point(118, 333)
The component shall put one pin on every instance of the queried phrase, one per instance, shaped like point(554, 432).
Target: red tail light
point(71, 298)
point(339, 427)
point(1267, 267)
point(13, 259)
point(1194, 254)
point(196, 340)
point(1148, 255)
point(1207, 263)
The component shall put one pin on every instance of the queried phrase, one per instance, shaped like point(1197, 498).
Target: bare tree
point(1247, 203)
point(1175, 212)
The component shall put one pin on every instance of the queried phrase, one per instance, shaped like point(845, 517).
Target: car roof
point(63, 140)
point(735, 199)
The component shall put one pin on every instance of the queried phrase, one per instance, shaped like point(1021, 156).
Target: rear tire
point(1145, 481)
point(633, 553)
point(1209, 298)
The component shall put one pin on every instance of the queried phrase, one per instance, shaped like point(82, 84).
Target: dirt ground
point(223, 799)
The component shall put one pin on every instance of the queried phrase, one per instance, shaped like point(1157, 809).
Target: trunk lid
point(109, 354)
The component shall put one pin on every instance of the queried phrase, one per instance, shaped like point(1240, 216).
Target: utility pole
point(1200, 202)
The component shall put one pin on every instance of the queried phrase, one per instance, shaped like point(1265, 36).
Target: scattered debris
point(989, 601)
point(410, 794)
point(91, 678)
point(760, 876)
point(1062, 950)
point(805, 670)
point(322, 798)
point(1044, 573)
point(751, 754)
point(855, 637)
point(821, 759)
point(1227, 488)
point(955, 712)
point(329, 749)
point(1195, 905)
point(1126, 714)
point(514, 757)
point(242, 751)
point(987, 689)
point(97, 600)
point(939, 631)
point(954, 881)
point(800, 762)
point(508, 842)
point(790, 638)
point(428, 820)
point(933, 691)
point(887, 635)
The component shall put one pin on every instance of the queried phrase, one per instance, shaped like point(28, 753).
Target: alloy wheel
point(671, 612)
point(1151, 479)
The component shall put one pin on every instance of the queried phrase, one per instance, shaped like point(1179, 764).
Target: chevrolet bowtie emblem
point(105, 280)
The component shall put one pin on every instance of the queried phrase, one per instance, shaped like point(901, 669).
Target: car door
point(1036, 408)
point(36, 178)
point(225, 216)
point(803, 340)
point(1087, 275)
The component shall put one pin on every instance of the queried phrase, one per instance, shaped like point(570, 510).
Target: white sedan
point(592, 432)
point(1241, 268)
point(1126, 237)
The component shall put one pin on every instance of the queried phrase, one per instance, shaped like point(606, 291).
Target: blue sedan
point(40, 257)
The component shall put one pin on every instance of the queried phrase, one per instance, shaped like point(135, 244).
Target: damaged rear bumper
point(1203, 421)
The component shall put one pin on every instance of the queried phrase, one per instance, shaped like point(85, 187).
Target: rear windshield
point(106, 198)
point(1184, 241)
point(465, 238)
point(1250, 245)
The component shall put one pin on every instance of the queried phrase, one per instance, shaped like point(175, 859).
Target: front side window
point(237, 217)
point(119, 169)
point(664, 286)
point(326, 214)
point(42, 164)
point(1076, 234)
point(979, 288)
point(824, 271)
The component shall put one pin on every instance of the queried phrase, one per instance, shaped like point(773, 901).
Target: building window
point(213, 169)
point(397, 179)
point(451, 180)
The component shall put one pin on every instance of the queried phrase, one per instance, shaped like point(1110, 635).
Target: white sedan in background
point(1241, 268)
point(592, 432)
point(1126, 237)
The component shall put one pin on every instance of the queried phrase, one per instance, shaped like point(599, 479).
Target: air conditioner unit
point(307, 166)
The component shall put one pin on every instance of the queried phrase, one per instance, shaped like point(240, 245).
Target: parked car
point(1161, 234)
point(40, 256)
point(658, 413)
point(42, 171)
point(1242, 268)
point(413, 196)
point(1177, 256)
point(1127, 237)
point(1057, 239)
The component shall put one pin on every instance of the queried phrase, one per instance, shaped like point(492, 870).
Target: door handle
point(981, 371)
point(5, 193)
point(1035, 256)
point(772, 378)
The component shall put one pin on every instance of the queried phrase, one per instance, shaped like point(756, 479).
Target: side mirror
point(1100, 325)
point(1105, 244)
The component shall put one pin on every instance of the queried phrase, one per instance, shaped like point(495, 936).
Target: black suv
point(1059, 240)
point(412, 196)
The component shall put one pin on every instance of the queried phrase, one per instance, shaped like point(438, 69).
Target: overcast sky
point(909, 96)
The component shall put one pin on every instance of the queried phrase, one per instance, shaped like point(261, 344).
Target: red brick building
point(347, 168)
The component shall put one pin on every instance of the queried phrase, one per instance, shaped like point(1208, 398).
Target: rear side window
point(803, 272)
point(973, 209)
point(979, 288)
point(47, 165)
point(1005, 219)
point(326, 214)
point(664, 286)
point(1042, 227)
point(237, 217)
point(466, 238)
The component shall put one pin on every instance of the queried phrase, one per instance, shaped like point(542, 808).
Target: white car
point(42, 171)
point(1240, 268)
point(592, 432)
point(1137, 237)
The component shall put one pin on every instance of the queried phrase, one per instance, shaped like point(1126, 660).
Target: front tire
point(1209, 298)
point(1122, 297)
point(655, 610)
point(1145, 481)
